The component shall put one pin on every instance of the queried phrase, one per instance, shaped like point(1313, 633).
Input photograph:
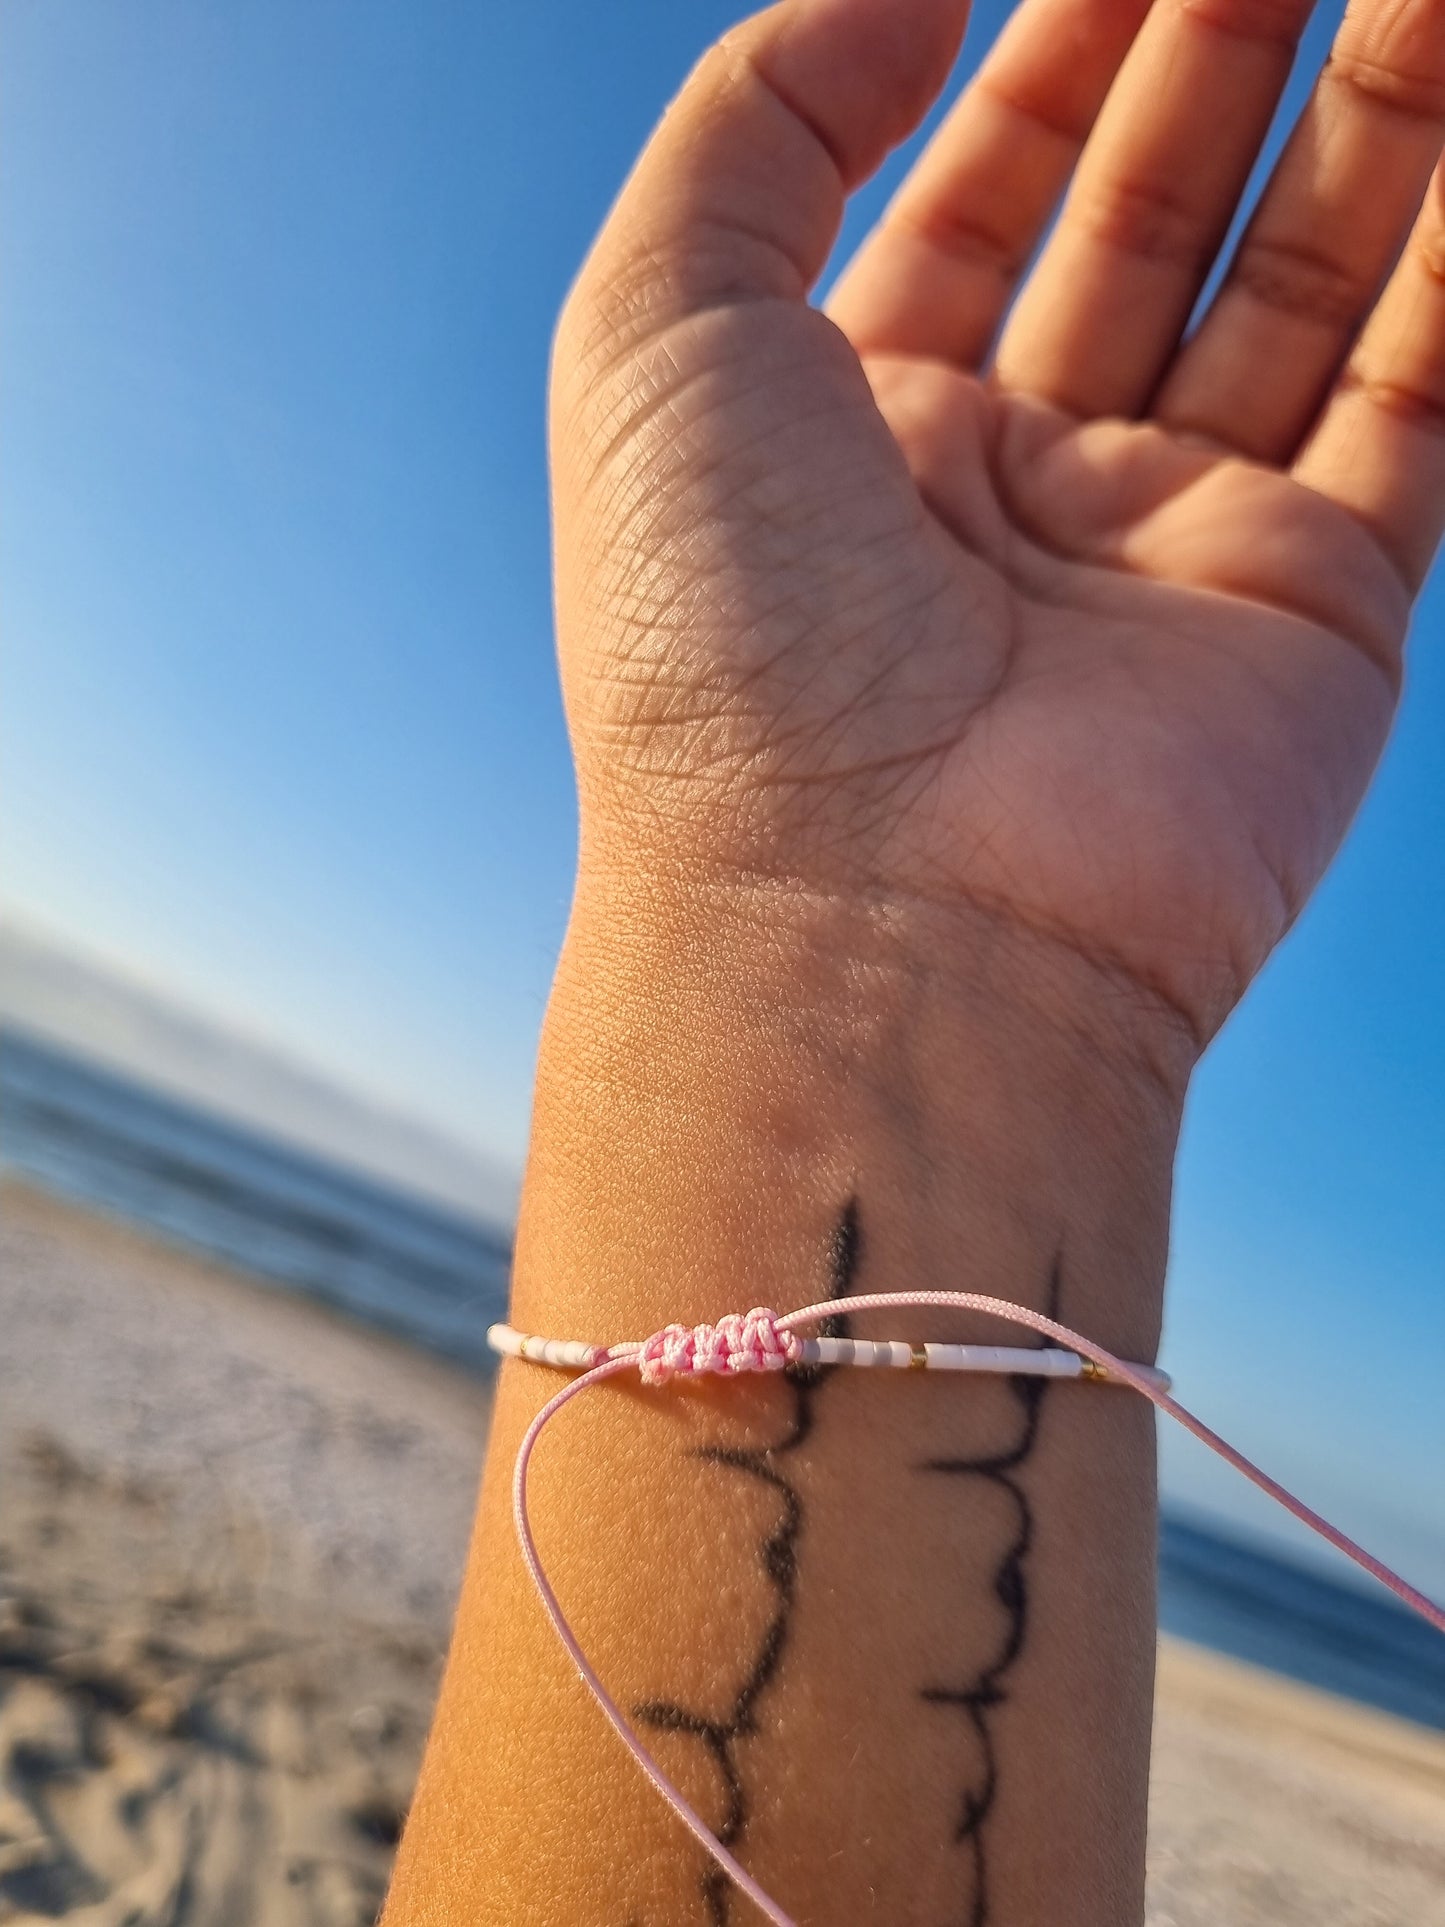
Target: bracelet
point(739, 1340)
point(761, 1341)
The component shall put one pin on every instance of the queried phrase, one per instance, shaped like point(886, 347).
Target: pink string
point(761, 1341)
point(748, 1341)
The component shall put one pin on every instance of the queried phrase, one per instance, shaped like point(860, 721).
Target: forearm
point(894, 1637)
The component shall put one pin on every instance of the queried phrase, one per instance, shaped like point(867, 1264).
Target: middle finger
point(1153, 197)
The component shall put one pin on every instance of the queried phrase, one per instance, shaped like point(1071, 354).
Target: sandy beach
point(231, 1526)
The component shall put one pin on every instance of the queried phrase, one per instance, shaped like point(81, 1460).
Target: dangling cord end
point(692, 1820)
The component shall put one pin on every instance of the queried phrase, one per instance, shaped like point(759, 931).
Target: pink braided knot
point(744, 1341)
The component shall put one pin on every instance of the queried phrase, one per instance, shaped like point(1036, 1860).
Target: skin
point(968, 686)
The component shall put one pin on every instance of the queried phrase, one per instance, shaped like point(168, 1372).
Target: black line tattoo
point(779, 1560)
point(982, 1695)
point(977, 1699)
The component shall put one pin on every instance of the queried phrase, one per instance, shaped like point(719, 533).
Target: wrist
point(726, 1065)
point(822, 928)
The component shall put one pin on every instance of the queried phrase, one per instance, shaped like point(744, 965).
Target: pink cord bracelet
point(761, 1341)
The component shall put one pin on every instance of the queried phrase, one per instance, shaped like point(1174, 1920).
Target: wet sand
point(231, 1526)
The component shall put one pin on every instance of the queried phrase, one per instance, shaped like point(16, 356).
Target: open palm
point(1089, 627)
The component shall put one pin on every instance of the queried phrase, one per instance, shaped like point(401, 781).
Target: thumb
point(739, 194)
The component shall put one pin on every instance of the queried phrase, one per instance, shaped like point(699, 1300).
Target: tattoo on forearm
point(778, 1558)
point(979, 1698)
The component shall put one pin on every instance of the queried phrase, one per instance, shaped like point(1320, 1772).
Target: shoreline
point(232, 1529)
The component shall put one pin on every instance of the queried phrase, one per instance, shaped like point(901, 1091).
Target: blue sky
point(280, 721)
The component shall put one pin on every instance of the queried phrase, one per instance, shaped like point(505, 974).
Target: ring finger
point(1329, 226)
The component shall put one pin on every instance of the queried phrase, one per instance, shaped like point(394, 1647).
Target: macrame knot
point(744, 1341)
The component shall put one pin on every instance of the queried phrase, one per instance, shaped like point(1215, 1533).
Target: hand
point(1099, 639)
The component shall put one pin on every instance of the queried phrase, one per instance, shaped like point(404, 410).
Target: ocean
point(438, 1278)
point(395, 1259)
